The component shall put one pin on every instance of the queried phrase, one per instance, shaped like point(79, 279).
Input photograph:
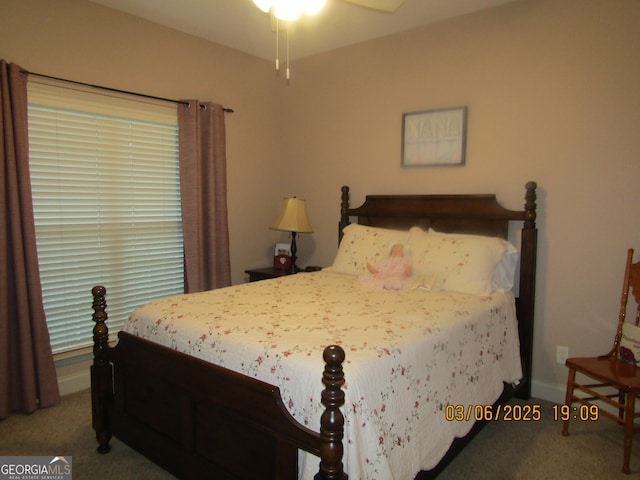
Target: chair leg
point(629, 409)
point(569, 399)
point(621, 401)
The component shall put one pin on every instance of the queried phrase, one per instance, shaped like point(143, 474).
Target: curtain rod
point(227, 110)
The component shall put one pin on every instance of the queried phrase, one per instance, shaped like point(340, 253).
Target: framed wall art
point(434, 137)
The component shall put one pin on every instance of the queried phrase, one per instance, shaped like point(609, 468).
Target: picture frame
point(282, 257)
point(434, 137)
point(282, 249)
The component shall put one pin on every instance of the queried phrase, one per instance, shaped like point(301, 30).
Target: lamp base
point(294, 249)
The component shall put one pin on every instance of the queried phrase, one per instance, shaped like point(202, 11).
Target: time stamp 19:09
point(518, 413)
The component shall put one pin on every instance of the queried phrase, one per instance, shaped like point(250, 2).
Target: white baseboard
point(74, 378)
point(74, 383)
point(547, 391)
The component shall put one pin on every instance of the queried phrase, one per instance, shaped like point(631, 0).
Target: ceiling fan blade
point(382, 5)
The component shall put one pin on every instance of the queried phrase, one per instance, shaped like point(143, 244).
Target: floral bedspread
point(409, 354)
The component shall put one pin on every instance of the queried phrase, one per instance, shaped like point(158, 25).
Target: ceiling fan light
point(287, 10)
point(264, 5)
point(311, 7)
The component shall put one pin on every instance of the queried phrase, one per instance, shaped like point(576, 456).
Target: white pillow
point(362, 244)
point(504, 276)
point(466, 263)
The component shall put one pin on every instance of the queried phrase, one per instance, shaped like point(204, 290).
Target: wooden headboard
point(473, 214)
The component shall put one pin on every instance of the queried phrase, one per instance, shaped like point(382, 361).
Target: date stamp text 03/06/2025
point(519, 413)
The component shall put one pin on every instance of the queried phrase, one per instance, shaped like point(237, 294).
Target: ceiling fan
point(290, 10)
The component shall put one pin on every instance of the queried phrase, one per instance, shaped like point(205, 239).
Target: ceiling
point(239, 24)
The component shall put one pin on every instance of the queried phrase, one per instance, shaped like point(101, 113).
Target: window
point(105, 181)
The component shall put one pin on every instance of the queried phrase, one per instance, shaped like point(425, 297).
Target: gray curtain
point(203, 190)
point(27, 372)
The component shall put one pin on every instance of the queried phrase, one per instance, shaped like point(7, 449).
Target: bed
point(252, 400)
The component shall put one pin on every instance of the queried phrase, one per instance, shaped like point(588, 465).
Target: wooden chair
point(617, 371)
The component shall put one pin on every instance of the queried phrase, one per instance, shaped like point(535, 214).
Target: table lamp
point(293, 218)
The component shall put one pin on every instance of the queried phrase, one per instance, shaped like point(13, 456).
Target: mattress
point(411, 357)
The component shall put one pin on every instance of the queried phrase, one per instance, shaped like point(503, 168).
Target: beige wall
point(552, 91)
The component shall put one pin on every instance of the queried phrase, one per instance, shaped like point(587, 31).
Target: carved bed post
point(530, 205)
point(332, 420)
point(344, 208)
point(101, 372)
point(527, 287)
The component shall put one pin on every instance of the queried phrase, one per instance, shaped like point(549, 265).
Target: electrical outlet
point(562, 353)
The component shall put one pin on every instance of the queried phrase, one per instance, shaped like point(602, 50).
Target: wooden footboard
point(199, 420)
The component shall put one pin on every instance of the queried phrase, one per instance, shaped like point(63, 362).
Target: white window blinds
point(105, 181)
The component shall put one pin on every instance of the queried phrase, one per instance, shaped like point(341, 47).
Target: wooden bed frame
point(199, 420)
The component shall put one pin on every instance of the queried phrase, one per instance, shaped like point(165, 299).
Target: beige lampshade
point(292, 216)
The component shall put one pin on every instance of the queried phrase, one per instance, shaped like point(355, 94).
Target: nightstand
point(256, 274)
